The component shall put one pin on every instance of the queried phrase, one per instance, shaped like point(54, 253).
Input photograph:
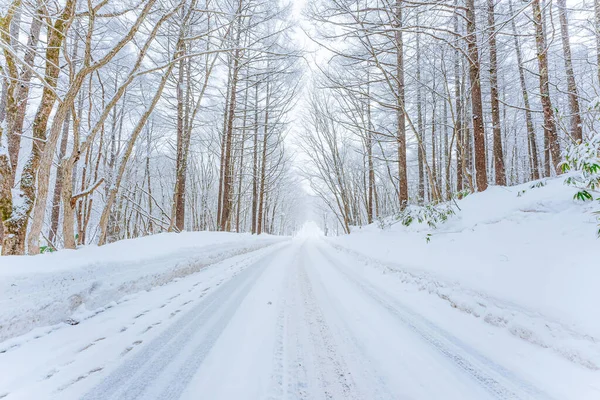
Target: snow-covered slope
point(314, 318)
point(67, 286)
point(524, 258)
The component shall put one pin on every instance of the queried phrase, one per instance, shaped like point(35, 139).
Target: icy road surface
point(297, 320)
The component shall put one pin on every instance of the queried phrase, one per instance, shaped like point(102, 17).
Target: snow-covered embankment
point(523, 258)
point(45, 291)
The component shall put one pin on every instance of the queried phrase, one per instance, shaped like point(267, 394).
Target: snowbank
point(60, 287)
point(523, 258)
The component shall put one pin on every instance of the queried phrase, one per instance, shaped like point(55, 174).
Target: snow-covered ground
point(524, 258)
point(297, 320)
point(499, 304)
point(48, 290)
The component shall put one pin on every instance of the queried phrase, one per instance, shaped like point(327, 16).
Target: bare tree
point(552, 147)
point(576, 124)
point(500, 174)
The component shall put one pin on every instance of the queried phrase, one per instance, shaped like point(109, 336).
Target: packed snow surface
point(523, 258)
point(378, 314)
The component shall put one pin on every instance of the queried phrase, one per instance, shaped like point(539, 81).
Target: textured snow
point(297, 320)
point(500, 304)
point(51, 288)
point(522, 258)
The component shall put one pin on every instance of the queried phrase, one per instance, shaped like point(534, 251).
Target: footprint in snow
point(141, 315)
point(85, 348)
point(129, 348)
point(80, 378)
point(51, 373)
point(147, 329)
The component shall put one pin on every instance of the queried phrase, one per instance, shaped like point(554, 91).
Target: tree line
point(419, 102)
point(120, 119)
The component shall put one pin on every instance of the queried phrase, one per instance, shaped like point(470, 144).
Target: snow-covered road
point(296, 320)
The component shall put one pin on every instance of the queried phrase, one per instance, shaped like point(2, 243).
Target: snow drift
point(49, 289)
point(523, 258)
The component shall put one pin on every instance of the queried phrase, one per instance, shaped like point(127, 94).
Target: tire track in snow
point(365, 373)
point(569, 342)
point(308, 363)
point(291, 379)
point(334, 375)
point(495, 379)
point(164, 367)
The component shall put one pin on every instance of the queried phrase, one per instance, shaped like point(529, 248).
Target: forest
point(299, 199)
point(121, 119)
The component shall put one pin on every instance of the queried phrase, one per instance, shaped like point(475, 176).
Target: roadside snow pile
point(522, 258)
point(70, 285)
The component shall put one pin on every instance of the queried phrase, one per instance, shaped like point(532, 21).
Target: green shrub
point(582, 162)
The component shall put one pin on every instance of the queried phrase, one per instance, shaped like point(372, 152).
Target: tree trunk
point(460, 160)
point(225, 223)
point(223, 149)
point(576, 125)
point(420, 155)
point(371, 169)
point(553, 148)
point(22, 93)
point(400, 119)
point(263, 168)
point(476, 103)
point(255, 163)
point(434, 171)
point(241, 169)
point(500, 173)
point(55, 210)
point(7, 107)
point(448, 154)
point(178, 215)
point(148, 176)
